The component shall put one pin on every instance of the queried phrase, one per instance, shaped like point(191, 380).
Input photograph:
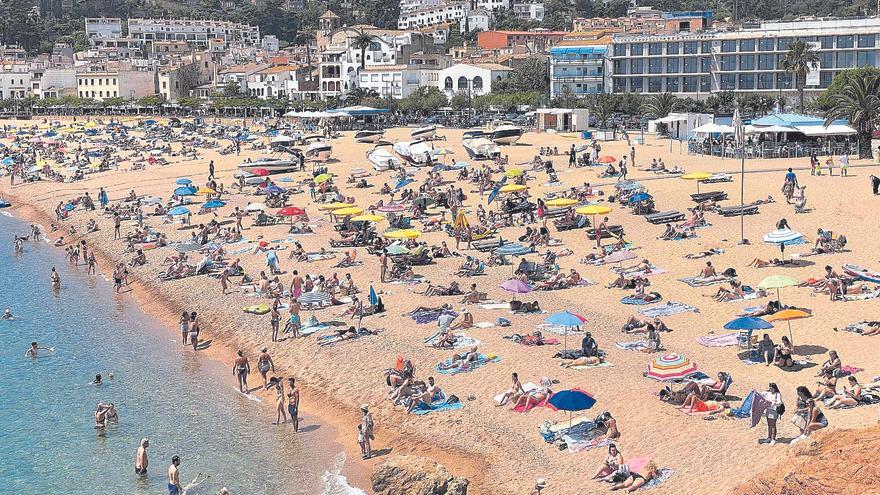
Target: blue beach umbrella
point(572, 400)
point(404, 183)
point(374, 298)
point(178, 210)
point(747, 323)
point(210, 205)
point(493, 195)
point(273, 189)
point(183, 181)
point(184, 191)
point(640, 197)
point(565, 319)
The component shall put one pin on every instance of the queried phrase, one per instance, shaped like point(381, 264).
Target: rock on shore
point(412, 475)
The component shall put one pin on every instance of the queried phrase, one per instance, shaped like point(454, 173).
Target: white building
point(56, 82)
point(410, 5)
point(476, 20)
point(473, 79)
point(15, 81)
point(529, 10)
point(491, 5)
point(238, 76)
point(103, 82)
point(429, 16)
point(103, 27)
point(195, 32)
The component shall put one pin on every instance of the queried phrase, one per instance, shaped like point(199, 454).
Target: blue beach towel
point(482, 359)
point(423, 409)
point(745, 409)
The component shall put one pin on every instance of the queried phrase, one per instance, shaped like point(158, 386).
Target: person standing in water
point(140, 458)
point(32, 350)
point(366, 428)
point(264, 364)
point(241, 368)
point(184, 327)
point(194, 328)
point(174, 477)
point(56, 279)
point(293, 403)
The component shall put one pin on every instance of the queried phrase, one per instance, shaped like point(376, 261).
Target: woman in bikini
point(533, 398)
point(264, 365)
point(280, 413)
point(850, 397)
point(184, 326)
point(637, 480)
point(516, 390)
point(612, 463)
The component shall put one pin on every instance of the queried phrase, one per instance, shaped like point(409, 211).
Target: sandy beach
point(498, 450)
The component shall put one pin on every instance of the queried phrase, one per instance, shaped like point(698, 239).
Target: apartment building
point(429, 16)
point(103, 27)
point(578, 69)
point(745, 60)
point(15, 80)
point(101, 82)
point(529, 10)
point(540, 39)
point(646, 20)
point(193, 31)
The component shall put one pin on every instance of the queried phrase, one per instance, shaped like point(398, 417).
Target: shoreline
point(331, 410)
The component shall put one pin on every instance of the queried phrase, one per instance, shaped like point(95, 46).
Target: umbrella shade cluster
point(670, 367)
point(185, 191)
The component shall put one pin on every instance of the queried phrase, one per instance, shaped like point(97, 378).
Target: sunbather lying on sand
point(759, 263)
point(459, 360)
point(583, 361)
point(438, 290)
point(734, 293)
point(532, 398)
point(636, 325)
point(694, 404)
point(636, 480)
point(704, 254)
point(621, 282)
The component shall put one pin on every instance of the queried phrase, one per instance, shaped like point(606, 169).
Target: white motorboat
point(369, 136)
point(382, 159)
point(506, 134)
point(480, 148)
point(273, 165)
point(424, 132)
point(319, 149)
point(416, 152)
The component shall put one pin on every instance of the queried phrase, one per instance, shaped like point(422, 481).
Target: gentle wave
point(337, 484)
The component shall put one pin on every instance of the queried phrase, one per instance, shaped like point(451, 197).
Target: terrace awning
point(831, 130)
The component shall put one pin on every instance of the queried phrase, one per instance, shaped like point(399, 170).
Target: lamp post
point(739, 131)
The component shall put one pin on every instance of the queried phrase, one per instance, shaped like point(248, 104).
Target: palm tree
point(362, 41)
point(799, 60)
point(858, 102)
point(660, 105)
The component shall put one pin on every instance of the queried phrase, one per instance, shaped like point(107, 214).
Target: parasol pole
point(790, 336)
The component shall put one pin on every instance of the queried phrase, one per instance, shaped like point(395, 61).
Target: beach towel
point(651, 298)
point(331, 339)
point(484, 324)
point(638, 345)
point(847, 370)
point(744, 409)
point(240, 250)
point(482, 360)
point(668, 309)
point(528, 406)
point(308, 330)
point(310, 257)
point(862, 297)
point(424, 317)
point(423, 408)
point(720, 340)
point(759, 407)
point(582, 430)
point(495, 305)
point(461, 341)
point(858, 327)
point(665, 473)
point(703, 282)
point(575, 446)
point(603, 364)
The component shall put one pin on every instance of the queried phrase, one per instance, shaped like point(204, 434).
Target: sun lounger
point(665, 217)
point(736, 211)
point(709, 196)
point(610, 231)
point(579, 222)
point(488, 245)
point(719, 177)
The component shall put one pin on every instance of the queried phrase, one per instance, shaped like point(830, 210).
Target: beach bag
point(780, 409)
point(453, 399)
point(503, 322)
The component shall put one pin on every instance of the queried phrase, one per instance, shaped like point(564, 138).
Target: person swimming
point(7, 314)
point(97, 380)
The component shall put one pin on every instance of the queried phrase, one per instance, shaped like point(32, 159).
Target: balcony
point(563, 77)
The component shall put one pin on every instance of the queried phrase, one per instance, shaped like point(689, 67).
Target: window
point(783, 81)
point(690, 47)
point(706, 46)
point(655, 84)
point(672, 85)
point(766, 44)
point(705, 64)
point(782, 44)
point(637, 85)
point(655, 65)
point(689, 84)
point(375, 46)
point(746, 81)
point(827, 42)
point(728, 62)
point(705, 83)
point(866, 59)
point(766, 62)
point(826, 59)
point(636, 49)
point(867, 40)
point(636, 66)
point(746, 45)
point(845, 41)
point(619, 50)
point(728, 46)
point(655, 49)
point(447, 84)
point(672, 48)
point(845, 60)
point(478, 83)
point(620, 66)
point(825, 78)
point(462, 83)
point(746, 62)
point(672, 65)
point(728, 82)
point(620, 85)
point(765, 81)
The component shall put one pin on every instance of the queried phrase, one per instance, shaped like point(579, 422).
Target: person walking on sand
point(241, 367)
point(117, 224)
point(366, 429)
point(174, 487)
point(264, 365)
point(140, 458)
point(184, 327)
point(383, 268)
point(844, 165)
point(194, 328)
point(103, 198)
point(293, 403)
point(211, 170)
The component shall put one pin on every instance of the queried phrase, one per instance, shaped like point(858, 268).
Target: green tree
point(530, 75)
point(423, 100)
point(798, 61)
point(602, 107)
point(859, 102)
point(660, 105)
point(460, 101)
point(841, 80)
point(362, 41)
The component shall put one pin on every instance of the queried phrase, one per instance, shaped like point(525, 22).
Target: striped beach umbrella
point(670, 367)
point(784, 237)
point(314, 299)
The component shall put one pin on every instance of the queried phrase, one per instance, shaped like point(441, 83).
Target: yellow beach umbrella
point(206, 190)
point(514, 172)
point(697, 176)
point(787, 315)
point(402, 234)
point(320, 179)
point(367, 218)
point(561, 202)
point(334, 206)
point(593, 210)
point(348, 211)
point(509, 188)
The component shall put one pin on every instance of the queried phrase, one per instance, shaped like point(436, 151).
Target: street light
point(739, 134)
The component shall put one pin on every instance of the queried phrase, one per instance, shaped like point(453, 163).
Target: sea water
point(185, 404)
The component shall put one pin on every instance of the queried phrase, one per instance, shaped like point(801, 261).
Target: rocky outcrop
point(831, 462)
point(409, 475)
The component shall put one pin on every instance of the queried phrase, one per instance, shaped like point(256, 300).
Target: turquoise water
point(185, 404)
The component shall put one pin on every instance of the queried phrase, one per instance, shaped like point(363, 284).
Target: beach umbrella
point(322, 178)
point(262, 172)
point(184, 191)
point(565, 319)
point(561, 202)
point(255, 207)
point(178, 210)
point(347, 211)
point(334, 206)
point(628, 185)
point(367, 218)
point(638, 197)
point(594, 210)
point(777, 282)
point(512, 249)
point(514, 172)
point(787, 315)
point(273, 189)
point(183, 181)
point(493, 195)
point(213, 204)
point(509, 188)
point(784, 237)
point(392, 208)
point(607, 159)
point(515, 287)
point(571, 400)
point(373, 298)
point(747, 323)
point(670, 367)
point(424, 201)
point(291, 211)
point(697, 176)
point(314, 299)
point(618, 256)
point(397, 249)
point(402, 234)
point(404, 183)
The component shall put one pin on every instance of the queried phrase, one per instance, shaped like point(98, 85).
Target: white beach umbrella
point(255, 207)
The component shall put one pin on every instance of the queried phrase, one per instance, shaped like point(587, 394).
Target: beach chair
point(665, 217)
point(722, 393)
point(735, 211)
point(611, 231)
point(709, 196)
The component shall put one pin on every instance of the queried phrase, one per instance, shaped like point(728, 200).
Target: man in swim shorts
point(140, 458)
point(174, 477)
